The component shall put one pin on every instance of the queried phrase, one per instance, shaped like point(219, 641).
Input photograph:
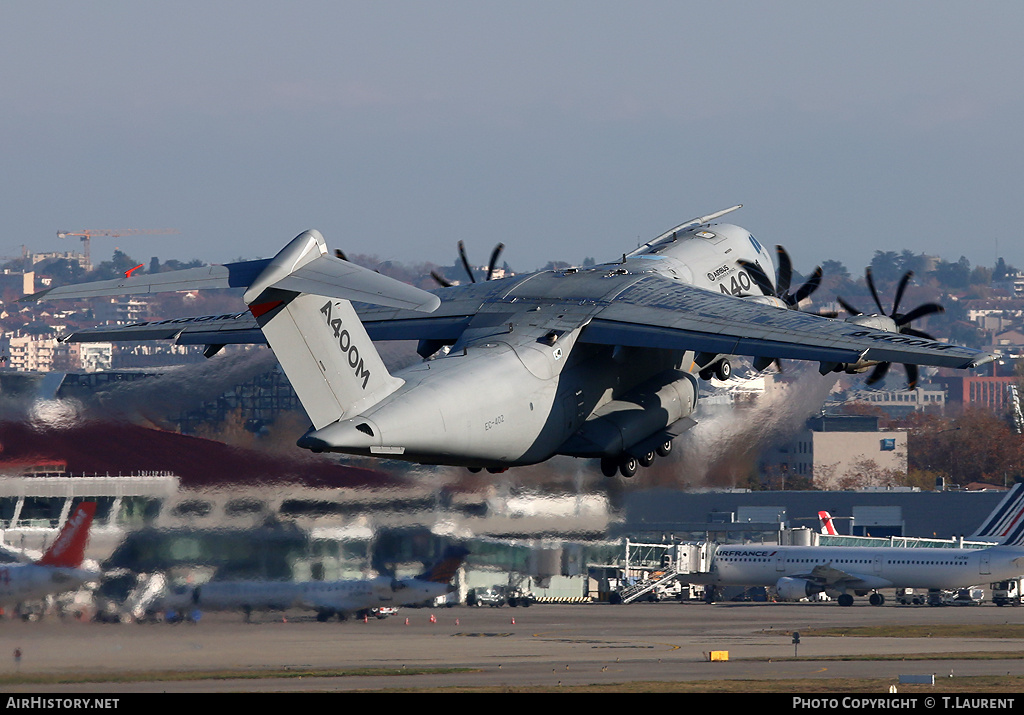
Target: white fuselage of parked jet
point(348, 596)
point(30, 582)
point(839, 568)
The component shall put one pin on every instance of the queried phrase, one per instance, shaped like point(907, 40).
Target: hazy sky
point(564, 129)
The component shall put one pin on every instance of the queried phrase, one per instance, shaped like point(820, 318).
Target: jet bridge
point(650, 566)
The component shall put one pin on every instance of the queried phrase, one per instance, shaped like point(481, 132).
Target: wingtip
point(33, 297)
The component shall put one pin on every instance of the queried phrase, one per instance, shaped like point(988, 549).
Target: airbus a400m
point(599, 362)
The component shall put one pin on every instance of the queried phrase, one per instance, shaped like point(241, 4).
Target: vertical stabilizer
point(301, 301)
point(444, 570)
point(827, 527)
point(327, 356)
point(1006, 523)
point(68, 549)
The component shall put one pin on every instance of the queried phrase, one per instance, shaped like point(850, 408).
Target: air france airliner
point(839, 572)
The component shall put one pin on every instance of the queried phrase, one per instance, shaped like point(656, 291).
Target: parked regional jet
point(839, 571)
point(597, 362)
point(327, 598)
point(58, 570)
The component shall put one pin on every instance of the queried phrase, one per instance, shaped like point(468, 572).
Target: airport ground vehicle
point(907, 597)
point(1007, 592)
point(498, 596)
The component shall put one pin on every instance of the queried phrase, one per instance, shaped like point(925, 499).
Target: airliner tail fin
point(68, 549)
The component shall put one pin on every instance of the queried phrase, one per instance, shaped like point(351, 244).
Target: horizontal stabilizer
point(304, 266)
point(231, 275)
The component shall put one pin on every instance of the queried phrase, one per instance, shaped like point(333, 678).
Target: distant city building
point(121, 310)
point(836, 450)
point(899, 403)
point(29, 353)
point(985, 391)
point(1012, 284)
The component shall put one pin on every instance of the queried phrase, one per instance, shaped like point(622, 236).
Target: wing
point(658, 312)
point(831, 577)
point(458, 306)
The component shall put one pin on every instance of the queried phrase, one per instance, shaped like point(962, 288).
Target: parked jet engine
point(793, 589)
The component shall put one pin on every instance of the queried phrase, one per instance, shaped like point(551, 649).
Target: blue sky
point(563, 129)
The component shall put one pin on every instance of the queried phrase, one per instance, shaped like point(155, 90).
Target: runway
point(505, 647)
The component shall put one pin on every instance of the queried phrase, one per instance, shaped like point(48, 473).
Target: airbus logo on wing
point(900, 339)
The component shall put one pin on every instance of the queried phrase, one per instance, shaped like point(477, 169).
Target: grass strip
point(189, 675)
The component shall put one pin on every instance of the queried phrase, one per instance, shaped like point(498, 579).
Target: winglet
point(68, 549)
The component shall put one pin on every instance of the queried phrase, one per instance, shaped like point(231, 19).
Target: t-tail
point(68, 549)
point(301, 301)
point(827, 527)
point(444, 570)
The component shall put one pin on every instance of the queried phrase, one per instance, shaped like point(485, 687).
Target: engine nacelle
point(644, 411)
point(793, 589)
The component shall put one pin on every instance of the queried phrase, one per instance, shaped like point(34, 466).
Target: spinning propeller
point(780, 290)
point(445, 283)
point(783, 278)
point(902, 323)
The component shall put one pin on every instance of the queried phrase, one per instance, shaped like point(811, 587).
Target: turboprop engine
point(793, 589)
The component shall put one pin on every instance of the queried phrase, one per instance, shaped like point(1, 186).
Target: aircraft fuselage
point(881, 567)
point(517, 387)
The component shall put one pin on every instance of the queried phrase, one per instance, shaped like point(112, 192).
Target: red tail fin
point(68, 549)
point(827, 527)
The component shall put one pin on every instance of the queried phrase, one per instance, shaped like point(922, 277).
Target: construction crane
point(87, 234)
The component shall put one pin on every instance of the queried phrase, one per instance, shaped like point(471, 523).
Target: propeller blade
point(874, 293)
point(911, 375)
point(758, 276)
point(441, 280)
point(809, 287)
point(465, 261)
point(785, 271)
point(916, 333)
point(919, 312)
point(899, 293)
point(494, 259)
point(878, 373)
point(847, 307)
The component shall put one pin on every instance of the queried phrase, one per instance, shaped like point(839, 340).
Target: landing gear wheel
point(646, 460)
point(723, 370)
point(665, 449)
point(706, 374)
point(876, 599)
point(845, 600)
point(628, 464)
point(609, 466)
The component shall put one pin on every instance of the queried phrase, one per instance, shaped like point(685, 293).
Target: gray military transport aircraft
point(597, 362)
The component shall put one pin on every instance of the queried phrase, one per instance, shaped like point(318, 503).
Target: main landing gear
point(627, 464)
point(721, 369)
